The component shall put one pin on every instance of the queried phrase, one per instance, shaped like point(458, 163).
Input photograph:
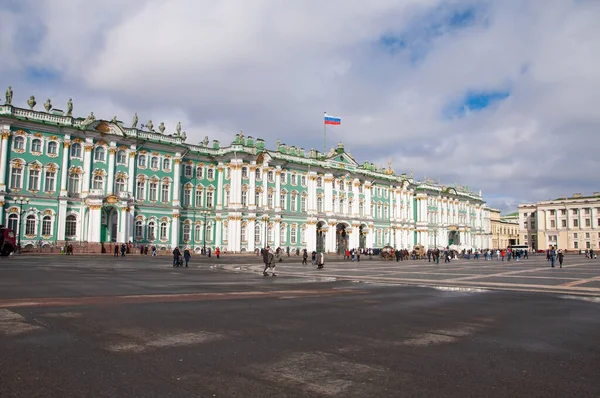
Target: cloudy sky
point(499, 95)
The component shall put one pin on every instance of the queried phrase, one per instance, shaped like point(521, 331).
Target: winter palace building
point(94, 182)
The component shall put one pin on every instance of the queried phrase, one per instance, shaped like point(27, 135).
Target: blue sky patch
point(474, 101)
point(40, 75)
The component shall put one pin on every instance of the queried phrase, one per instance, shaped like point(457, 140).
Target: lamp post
point(21, 201)
point(204, 213)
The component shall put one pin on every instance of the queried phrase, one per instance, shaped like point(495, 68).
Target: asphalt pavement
point(93, 326)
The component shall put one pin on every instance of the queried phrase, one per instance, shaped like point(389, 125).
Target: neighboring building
point(505, 229)
point(568, 223)
point(94, 182)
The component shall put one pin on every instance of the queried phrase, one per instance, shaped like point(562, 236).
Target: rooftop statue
point(135, 121)
point(183, 136)
point(161, 127)
point(150, 126)
point(90, 119)
point(31, 102)
point(9, 95)
point(70, 107)
point(114, 119)
point(178, 128)
point(205, 142)
point(48, 105)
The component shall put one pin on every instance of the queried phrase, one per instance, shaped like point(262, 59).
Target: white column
point(311, 201)
point(233, 232)
point(130, 221)
point(4, 161)
point(62, 219)
point(235, 190)
point(328, 193)
point(122, 231)
point(87, 167)
point(311, 236)
point(355, 237)
point(367, 191)
point(252, 192)
point(218, 231)
point(265, 185)
point(64, 169)
point(94, 220)
point(356, 198)
point(250, 225)
point(176, 182)
point(276, 228)
point(175, 229)
point(110, 182)
point(277, 198)
point(131, 179)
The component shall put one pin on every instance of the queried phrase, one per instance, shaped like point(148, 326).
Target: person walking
point(187, 255)
point(176, 254)
point(153, 251)
point(552, 255)
point(123, 250)
point(561, 257)
point(116, 252)
point(217, 252)
point(268, 259)
point(304, 257)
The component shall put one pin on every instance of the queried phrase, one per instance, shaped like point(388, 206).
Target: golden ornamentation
point(220, 168)
point(2, 203)
point(103, 127)
point(112, 151)
point(5, 134)
point(20, 132)
point(252, 168)
point(98, 172)
point(88, 148)
point(177, 161)
point(66, 144)
point(132, 154)
point(251, 219)
point(312, 178)
point(95, 207)
point(176, 215)
point(38, 135)
point(112, 199)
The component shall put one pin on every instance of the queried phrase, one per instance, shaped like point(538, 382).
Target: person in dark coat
point(187, 255)
point(176, 254)
point(116, 252)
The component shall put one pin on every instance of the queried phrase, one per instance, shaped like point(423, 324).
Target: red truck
point(8, 243)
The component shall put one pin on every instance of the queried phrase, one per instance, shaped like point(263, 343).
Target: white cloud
point(271, 68)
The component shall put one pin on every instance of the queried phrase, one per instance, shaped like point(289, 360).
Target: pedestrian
point(552, 255)
point(153, 251)
point(209, 251)
point(314, 257)
point(187, 255)
point(561, 256)
point(176, 254)
point(269, 261)
point(116, 252)
point(217, 252)
point(123, 250)
point(304, 256)
point(358, 256)
point(146, 250)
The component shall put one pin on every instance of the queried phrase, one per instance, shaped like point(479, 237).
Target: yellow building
point(505, 229)
point(568, 223)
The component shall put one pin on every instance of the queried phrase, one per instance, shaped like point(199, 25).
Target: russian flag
point(336, 121)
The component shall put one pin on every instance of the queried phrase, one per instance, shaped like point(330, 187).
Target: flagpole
point(325, 134)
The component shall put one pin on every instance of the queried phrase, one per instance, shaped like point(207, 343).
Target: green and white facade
point(95, 182)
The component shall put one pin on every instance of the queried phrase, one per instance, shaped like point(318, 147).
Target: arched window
point(244, 172)
point(293, 234)
point(319, 182)
point(165, 192)
point(198, 232)
point(99, 154)
point(209, 199)
point(282, 199)
point(210, 174)
point(153, 191)
point(188, 170)
point(98, 182)
point(119, 185)
point(34, 180)
point(199, 196)
point(47, 226)
point(270, 200)
point(19, 142)
point(163, 231)
point(71, 226)
point(73, 183)
point(282, 234)
point(151, 228)
point(187, 231)
point(209, 229)
point(257, 233)
point(166, 164)
point(244, 198)
point(187, 196)
point(139, 230)
point(121, 157)
point(30, 225)
point(36, 145)
point(52, 148)
point(13, 222)
point(243, 233)
point(142, 161)
point(319, 205)
point(141, 190)
point(154, 162)
point(76, 150)
point(271, 176)
point(226, 199)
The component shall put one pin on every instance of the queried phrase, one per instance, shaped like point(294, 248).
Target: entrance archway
point(321, 236)
point(341, 237)
point(453, 238)
point(362, 236)
point(109, 228)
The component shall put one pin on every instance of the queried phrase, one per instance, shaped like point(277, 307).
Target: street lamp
point(21, 201)
point(204, 213)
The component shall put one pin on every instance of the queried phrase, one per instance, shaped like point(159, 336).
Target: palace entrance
point(109, 227)
point(341, 238)
point(362, 236)
point(454, 238)
point(321, 230)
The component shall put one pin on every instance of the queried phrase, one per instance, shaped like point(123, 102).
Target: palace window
point(187, 196)
point(153, 191)
point(552, 224)
point(270, 200)
point(199, 172)
point(30, 225)
point(282, 200)
point(34, 180)
point(303, 234)
point(140, 191)
point(209, 229)
point(294, 179)
point(188, 171)
point(71, 226)
point(165, 193)
point(294, 203)
point(73, 187)
point(243, 233)
point(166, 164)
point(46, 225)
point(210, 174)
point(342, 185)
point(36, 145)
point(209, 199)
point(576, 245)
point(574, 212)
point(76, 150)
point(121, 157)
point(225, 231)
point(99, 154)
point(244, 172)
point(16, 177)
point(588, 222)
point(13, 222)
point(586, 211)
point(199, 196)
point(187, 232)
point(293, 234)
point(563, 223)
point(244, 198)
point(319, 205)
point(575, 223)
point(163, 231)
point(19, 143)
point(50, 181)
point(198, 232)
point(226, 198)
point(98, 182)
point(119, 185)
point(151, 231)
point(303, 204)
point(282, 177)
point(257, 233)
point(139, 230)
point(258, 174)
point(319, 182)
point(587, 235)
point(282, 234)
point(142, 161)
point(52, 148)
point(303, 181)
point(257, 198)
point(154, 162)
point(552, 212)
